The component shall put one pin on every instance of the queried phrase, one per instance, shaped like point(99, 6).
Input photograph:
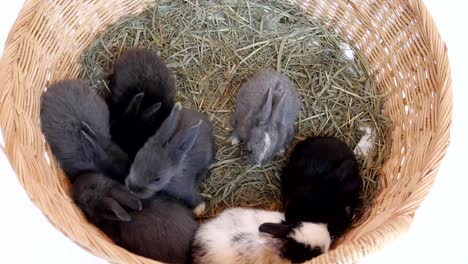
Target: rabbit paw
point(200, 209)
point(281, 152)
point(235, 140)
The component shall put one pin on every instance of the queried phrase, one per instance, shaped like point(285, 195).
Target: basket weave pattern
point(398, 37)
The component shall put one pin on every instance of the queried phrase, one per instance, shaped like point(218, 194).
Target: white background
point(439, 231)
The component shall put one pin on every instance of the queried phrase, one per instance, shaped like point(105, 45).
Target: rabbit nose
point(132, 187)
point(318, 250)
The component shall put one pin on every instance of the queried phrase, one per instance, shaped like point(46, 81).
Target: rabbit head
point(262, 145)
point(135, 110)
point(112, 160)
point(103, 199)
point(333, 200)
point(131, 128)
point(297, 243)
point(160, 158)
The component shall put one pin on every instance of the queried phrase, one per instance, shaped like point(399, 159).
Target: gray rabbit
point(175, 159)
point(160, 228)
point(267, 107)
point(75, 123)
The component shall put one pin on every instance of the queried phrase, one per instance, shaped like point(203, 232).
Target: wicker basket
point(398, 37)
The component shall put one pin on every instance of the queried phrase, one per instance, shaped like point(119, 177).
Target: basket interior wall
point(408, 61)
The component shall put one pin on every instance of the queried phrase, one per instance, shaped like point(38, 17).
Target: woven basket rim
point(16, 116)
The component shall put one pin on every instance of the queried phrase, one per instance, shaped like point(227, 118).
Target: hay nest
point(215, 46)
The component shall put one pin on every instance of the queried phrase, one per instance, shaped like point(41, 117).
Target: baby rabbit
point(159, 228)
point(101, 198)
point(175, 159)
point(267, 107)
point(321, 184)
point(239, 236)
point(142, 96)
point(75, 123)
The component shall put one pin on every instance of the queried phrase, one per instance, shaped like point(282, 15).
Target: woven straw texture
point(398, 37)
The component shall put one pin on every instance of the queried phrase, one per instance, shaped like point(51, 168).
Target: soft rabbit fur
point(241, 235)
point(321, 184)
point(266, 108)
point(175, 159)
point(102, 199)
point(161, 228)
point(75, 123)
point(142, 96)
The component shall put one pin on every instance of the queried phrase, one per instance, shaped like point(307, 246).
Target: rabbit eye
point(155, 180)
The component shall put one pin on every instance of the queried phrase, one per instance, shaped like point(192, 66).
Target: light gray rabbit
point(175, 159)
point(75, 123)
point(267, 107)
point(160, 228)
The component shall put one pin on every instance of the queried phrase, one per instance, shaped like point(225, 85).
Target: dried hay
point(215, 46)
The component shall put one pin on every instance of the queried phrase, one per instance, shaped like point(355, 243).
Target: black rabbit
point(321, 184)
point(142, 96)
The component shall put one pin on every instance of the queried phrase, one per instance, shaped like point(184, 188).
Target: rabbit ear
point(275, 229)
point(278, 110)
point(94, 145)
point(113, 211)
point(88, 141)
point(125, 198)
point(87, 128)
point(186, 139)
point(345, 169)
point(134, 106)
point(149, 114)
point(273, 235)
point(168, 127)
point(265, 109)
